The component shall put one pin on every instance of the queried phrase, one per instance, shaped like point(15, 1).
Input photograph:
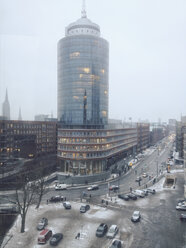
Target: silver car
point(112, 231)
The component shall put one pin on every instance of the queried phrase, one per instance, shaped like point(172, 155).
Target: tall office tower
point(6, 107)
point(83, 68)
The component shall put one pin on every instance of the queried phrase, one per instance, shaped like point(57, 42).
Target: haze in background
point(147, 55)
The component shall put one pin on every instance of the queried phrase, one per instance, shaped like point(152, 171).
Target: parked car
point(67, 205)
point(139, 193)
point(132, 196)
point(84, 208)
point(152, 191)
point(144, 175)
point(42, 224)
point(145, 191)
point(138, 179)
point(56, 238)
point(56, 198)
point(124, 197)
point(136, 216)
point(60, 187)
point(181, 206)
point(93, 187)
point(44, 236)
point(116, 244)
point(183, 217)
point(181, 200)
point(113, 187)
point(101, 230)
point(112, 231)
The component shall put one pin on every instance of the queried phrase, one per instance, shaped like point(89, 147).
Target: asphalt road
point(148, 164)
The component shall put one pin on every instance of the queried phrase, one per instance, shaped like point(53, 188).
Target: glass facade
point(83, 79)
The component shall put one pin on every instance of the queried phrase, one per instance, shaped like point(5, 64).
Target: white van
point(139, 193)
point(60, 186)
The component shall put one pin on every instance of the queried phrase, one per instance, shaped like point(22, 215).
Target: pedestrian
point(130, 189)
point(47, 201)
point(65, 198)
point(90, 195)
point(146, 186)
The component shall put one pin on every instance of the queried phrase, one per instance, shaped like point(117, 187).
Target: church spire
point(83, 11)
point(6, 107)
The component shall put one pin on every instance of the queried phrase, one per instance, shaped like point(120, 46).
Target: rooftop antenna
point(83, 12)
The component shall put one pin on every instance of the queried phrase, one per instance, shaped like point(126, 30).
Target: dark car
point(57, 198)
point(101, 230)
point(67, 205)
point(56, 238)
point(152, 191)
point(113, 187)
point(42, 224)
point(84, 208)
point(116, 244)
point(132, 196)
point(183, 217)
point(138, 179)
point(124, 197)
point(145, 192)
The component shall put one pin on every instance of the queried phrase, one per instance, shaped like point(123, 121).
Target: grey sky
point(147, 54)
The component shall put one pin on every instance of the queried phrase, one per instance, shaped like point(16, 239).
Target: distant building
point(27, 139)
point(143, 131)
point(172, 125)
point(44, 118)
point(6, 107)
point(157, 132)
point(180, 128)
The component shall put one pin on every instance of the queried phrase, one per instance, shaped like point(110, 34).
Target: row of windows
point(96, 154)
point(95, 141)
point(107, 146)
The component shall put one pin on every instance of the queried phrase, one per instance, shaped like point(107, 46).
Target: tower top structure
point(83, 26)
point(83, 11)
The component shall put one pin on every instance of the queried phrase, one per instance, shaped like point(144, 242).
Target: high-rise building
point(87, 145)
point(83, 68)
point(6, 107)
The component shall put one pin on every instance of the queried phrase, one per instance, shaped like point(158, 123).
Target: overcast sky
point(147, 40)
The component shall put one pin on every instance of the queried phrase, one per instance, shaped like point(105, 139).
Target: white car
point(93, 187)
point(112, 231)
point(181, 206)
point(136, 216)
point(144, 175)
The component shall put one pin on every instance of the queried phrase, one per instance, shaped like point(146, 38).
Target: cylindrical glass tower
point(83, 68)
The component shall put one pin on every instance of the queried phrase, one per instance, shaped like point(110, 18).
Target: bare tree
point(24, 198)
point(41, 189)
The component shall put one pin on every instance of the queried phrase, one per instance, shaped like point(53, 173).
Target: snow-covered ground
point(69, 222)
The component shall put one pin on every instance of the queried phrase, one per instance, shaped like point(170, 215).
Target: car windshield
point(135, 214)
point(40, 224)
point(112, 229)
point(100, 228)
point(53, 239)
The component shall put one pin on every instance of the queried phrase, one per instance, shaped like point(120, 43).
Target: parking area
point(159, 221)
point(70, 223)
